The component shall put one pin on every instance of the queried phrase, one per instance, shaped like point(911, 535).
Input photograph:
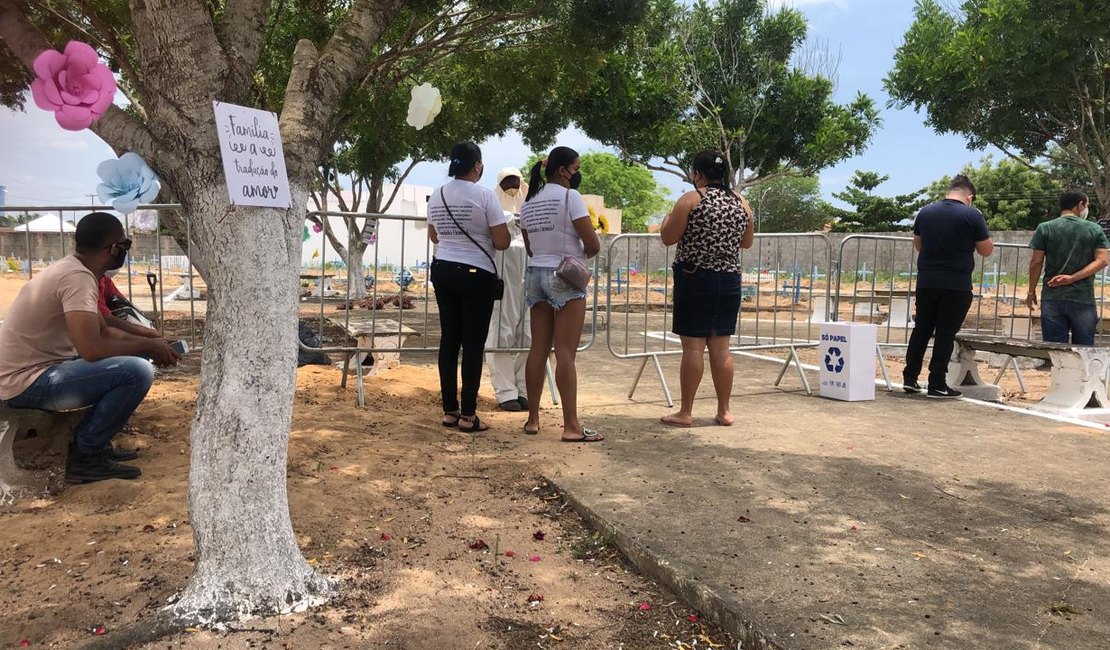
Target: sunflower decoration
point(600, 222)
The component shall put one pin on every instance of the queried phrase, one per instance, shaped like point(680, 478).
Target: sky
point(42, 164)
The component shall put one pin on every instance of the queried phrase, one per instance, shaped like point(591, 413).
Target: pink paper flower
point(75, 85)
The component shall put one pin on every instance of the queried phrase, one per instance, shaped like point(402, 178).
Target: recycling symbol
point(834, 360)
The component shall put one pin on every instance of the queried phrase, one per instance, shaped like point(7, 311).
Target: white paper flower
point(424, 105)
point(127, 182)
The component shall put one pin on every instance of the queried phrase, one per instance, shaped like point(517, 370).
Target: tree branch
point(397, 186)
point(240, 32)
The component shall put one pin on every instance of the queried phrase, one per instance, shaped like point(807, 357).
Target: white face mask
point(1083, 215)
point(111, 273)
point(512, 191)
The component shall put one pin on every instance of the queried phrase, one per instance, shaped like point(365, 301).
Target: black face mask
point(575, 180)
point(120, 259)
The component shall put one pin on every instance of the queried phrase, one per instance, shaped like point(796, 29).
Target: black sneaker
point(97, 466)
point(523, 402)
point(943, 393)
point(121, 455)
point(512, 406)
point(911, 387)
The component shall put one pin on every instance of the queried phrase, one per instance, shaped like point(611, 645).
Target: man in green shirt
point(1070, 250)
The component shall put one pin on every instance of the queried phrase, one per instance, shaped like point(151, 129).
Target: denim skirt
point(706, 302)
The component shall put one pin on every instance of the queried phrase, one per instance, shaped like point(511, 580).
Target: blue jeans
point(113, 387)
point(1061, 317)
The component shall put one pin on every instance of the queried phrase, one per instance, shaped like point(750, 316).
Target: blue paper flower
point(127, 182)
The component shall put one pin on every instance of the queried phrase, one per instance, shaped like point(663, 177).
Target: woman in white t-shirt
point(556, 224)
point(466, 224)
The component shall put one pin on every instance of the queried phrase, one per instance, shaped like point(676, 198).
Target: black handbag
point(498, 289)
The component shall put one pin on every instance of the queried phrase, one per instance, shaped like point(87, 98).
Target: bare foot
point(531, 429)
point(677, 420)
point(725, 419)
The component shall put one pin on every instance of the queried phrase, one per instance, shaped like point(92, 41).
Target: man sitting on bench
point(57, 353)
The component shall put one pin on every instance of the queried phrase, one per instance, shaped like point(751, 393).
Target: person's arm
point(527, 245)
point(748, 238)
point(93, 341)
point(586, 232)
point(432, 235)
point(498, 230)
point(674, 224)
point(1036, 265)
point(985, 247)
point(131, 328)
point(500, 236)
point(917, 243)
point(1093, 267)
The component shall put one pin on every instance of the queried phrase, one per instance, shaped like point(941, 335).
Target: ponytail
point(464, 156)
point(558, 158)
point(535, 180)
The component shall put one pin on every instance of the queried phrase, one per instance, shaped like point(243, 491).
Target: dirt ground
point(441, 539)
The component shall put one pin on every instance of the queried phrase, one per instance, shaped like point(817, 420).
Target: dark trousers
point(939, 313)
point(464, 295)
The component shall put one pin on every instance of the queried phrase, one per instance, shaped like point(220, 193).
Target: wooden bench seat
point(1079, 373)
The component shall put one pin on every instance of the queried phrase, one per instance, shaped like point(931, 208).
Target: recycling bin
point(846, 357)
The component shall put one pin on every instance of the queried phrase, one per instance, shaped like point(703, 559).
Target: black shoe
point(97, 466)
point(523, 402)
point(911, 387)
point(122, 455)
point(943, 393)
point(512, 406)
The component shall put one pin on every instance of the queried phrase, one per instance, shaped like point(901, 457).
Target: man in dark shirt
point(946, 234)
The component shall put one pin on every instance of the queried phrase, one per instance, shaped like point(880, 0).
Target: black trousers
point(464, 295)
point(939, 314)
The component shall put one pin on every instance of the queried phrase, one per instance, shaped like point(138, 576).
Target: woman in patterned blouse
point(710, 226)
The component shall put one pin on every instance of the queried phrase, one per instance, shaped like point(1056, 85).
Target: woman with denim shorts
point(710, 226)
point(556, 224)
point(466, 224)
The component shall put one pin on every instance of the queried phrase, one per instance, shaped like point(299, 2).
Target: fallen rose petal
point(510, 554)
point(479, 545)
point(99, 630)
point(693, 618)
point(535, 598)
point(335, 466)
point(538, 535)
point(24, 643)
point(854, 527)
point(645, 607)
point(386, 537)
point(534, 558)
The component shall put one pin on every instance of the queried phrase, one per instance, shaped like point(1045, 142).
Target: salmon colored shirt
point(34, 336)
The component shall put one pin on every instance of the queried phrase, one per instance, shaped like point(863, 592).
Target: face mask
point(575, 180)
point(111, 273)
point(512, 191)
point(120, 258)
point(1083, 215)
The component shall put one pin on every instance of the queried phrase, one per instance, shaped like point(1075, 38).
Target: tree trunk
point(248, 562)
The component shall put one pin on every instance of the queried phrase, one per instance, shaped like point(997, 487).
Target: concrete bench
point(52, 428)
point(1079, 372)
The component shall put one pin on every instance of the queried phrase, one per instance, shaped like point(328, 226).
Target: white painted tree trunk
point(248, 562)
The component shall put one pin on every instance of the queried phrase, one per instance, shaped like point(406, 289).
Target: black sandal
point(454, 422)
point(476, 424)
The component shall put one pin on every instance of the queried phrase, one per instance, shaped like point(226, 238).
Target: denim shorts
point(706, 302)
point(541, 285)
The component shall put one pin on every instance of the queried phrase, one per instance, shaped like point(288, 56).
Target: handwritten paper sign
point(254, 164)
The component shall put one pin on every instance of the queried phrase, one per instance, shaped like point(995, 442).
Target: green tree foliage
point(1027, 77)
point(720, 75)
point(1010, 194)
point(873, 213)
point(629, 187)
point(790, 204)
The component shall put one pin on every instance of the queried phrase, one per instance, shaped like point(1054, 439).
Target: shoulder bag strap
point(443, 197)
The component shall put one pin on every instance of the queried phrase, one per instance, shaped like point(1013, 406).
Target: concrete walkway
point(898, 523)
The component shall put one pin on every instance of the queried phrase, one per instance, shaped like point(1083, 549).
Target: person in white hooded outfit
point(507, 329)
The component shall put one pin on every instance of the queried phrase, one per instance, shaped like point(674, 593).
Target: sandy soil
point(441, 539)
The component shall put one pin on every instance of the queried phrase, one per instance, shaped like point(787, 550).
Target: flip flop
point(723, 423)
point(450, 424)
point(588, 435)
point(476, 424)
point(531, 432)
